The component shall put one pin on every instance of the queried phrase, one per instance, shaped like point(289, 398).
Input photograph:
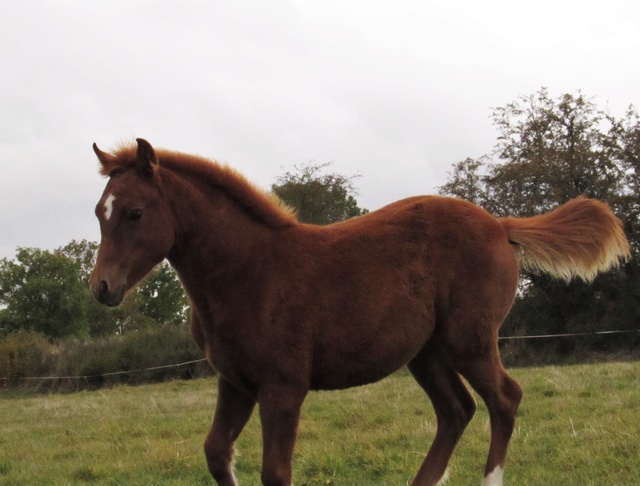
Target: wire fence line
point(574, 334)
point(99, 375)
point(177, 365)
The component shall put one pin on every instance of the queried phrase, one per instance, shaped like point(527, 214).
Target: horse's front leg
point(279, 414)
point(233, 410)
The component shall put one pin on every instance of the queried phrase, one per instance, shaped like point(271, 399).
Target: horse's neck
point(215, 237)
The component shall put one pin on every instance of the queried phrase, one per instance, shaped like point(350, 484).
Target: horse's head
point(136, 222)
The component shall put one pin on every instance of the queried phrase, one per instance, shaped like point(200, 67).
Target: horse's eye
point(135, 214)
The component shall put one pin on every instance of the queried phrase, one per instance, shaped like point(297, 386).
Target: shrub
point(138, 357)
point(143, 356)
point(24, 354)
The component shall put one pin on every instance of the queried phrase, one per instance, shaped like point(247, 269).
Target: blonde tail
point(580, 238)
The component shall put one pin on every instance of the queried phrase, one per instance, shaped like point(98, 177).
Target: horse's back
point(381, 280)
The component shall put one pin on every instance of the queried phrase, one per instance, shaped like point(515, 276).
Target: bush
point(139, 357)
point(143, 356)
point(24, 354)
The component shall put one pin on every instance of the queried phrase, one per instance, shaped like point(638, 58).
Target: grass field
point(577, 425)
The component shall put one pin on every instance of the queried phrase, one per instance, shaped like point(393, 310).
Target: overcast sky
point(396, 91)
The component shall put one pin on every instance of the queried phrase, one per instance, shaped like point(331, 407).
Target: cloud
point(396, 92)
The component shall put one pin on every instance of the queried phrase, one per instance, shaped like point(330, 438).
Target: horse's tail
point(577, 239)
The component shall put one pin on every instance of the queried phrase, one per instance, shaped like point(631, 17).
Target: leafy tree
point(549, 151)
point(48, 292)
point(159, 299)
point(162, 297)
point(553, 151)
point(40, 291)
point(84, 253)
point(101, 320)
point(467, 181)
point(318, 197)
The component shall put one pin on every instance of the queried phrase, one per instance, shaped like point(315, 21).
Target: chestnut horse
point(281, 308)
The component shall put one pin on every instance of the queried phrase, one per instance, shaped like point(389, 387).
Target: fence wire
point(545, 336)
point(176, 365)
point(100, 375)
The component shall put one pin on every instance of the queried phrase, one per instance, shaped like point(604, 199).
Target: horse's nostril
point(108, 294)
point(104, 289)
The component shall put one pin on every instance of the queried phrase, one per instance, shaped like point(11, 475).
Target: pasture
point(577, 425)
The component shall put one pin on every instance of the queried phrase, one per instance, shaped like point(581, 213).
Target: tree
point(40, 291)
point(159, 299)
point(549, 151)
point(162, 297)
point(84, 253)
point(467, 181)
point(48, 292)
point(553, 151)
point(101, 320)
point(318, 197)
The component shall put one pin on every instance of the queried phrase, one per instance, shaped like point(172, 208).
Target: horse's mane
point(264, 206)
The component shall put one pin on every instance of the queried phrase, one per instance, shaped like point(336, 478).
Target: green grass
point(577, 425)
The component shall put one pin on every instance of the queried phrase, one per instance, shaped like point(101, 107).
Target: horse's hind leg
point(453, 404)
point(501, 394)
point(233, 410)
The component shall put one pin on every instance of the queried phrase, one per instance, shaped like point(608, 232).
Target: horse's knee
point(507, 404)
point(468, 410)
point(513, 391)
point(468, 403)
point(463, 411)
point(458, 417)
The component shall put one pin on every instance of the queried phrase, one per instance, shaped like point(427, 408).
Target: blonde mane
point(264, 206)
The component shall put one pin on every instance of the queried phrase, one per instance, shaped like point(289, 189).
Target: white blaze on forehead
point(108, 206)
point(494, 478)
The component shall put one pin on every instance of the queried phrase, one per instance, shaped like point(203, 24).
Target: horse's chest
point(241, 359)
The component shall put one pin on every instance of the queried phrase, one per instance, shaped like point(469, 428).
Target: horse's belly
point(342, 380)
point(337, 369)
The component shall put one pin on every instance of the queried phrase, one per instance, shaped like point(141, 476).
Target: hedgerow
point(166, 352)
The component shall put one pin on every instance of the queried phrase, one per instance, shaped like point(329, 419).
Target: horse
point(281, 308)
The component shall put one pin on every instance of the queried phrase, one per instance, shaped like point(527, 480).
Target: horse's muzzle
point(107, 296)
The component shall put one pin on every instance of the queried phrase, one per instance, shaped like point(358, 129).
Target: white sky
point(396, 90)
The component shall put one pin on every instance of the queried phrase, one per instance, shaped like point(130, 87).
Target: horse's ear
point(146, 158)
point(106, 160)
